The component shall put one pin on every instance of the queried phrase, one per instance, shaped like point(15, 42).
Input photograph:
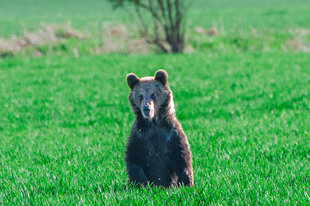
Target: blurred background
point(36, 28)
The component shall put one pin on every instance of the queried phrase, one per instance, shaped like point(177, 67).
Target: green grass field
point(64, 121)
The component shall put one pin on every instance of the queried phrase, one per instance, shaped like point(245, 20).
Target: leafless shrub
point(121, 39)
point(46, 34)
point(297, 45)
point(12, 46)
point(66, 31)
point(118, 30)
point(211, 32)
point(299, 40)
point(167, 26)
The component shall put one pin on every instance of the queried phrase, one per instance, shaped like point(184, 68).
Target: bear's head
point(150, 97)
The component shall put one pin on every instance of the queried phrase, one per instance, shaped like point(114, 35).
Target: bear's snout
point(148, 110)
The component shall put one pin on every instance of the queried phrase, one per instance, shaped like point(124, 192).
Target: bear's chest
point(157, 147)
point(157, 142)
point(157, 156)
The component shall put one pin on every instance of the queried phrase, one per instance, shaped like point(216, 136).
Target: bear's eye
point(153, 96)
point(140, 97)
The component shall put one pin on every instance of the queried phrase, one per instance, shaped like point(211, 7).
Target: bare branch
point(190, 4)
point(142, 22)
point(146, 7)
point(168, 21)
point(169, 6)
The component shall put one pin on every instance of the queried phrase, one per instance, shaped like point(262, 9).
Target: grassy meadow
point(242, 98)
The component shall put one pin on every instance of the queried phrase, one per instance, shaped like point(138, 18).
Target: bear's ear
point(132, 80)
point(162, 77)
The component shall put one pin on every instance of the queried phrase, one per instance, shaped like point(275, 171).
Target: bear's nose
point(146, 110)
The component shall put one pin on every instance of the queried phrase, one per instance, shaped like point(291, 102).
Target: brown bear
point(157, 151)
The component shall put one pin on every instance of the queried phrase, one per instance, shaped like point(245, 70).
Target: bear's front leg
point(135, 160)
point(185, 177)
point(181, 161)
point(136, 174)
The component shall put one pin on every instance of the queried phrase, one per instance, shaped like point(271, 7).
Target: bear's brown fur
point(157, 151)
